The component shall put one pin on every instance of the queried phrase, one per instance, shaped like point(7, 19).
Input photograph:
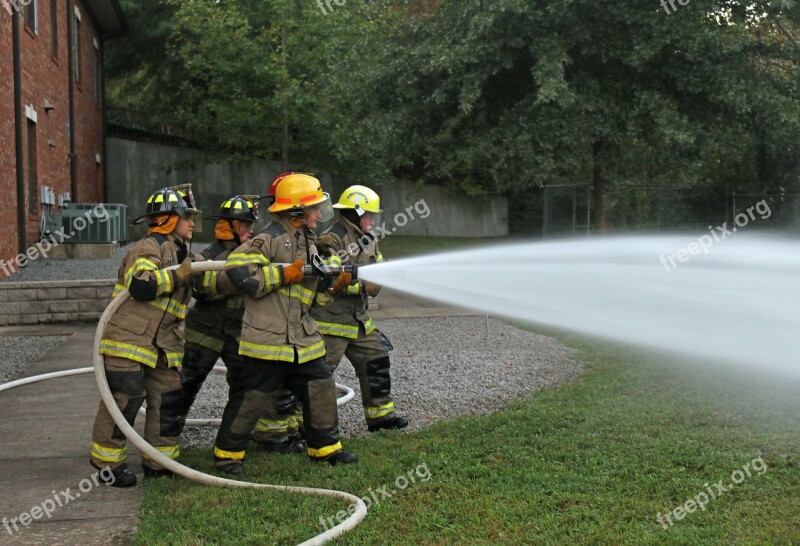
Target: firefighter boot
point(289, 446)
point(116, 477)
point(391, 422)
point(340, 456)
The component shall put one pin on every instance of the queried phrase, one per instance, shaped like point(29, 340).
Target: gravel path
point(441, 368)
point(19, 352)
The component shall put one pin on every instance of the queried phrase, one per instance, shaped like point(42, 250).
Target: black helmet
point(176, 199)
point(239, 207)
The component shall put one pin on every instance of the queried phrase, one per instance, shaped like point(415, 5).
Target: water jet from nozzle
point(738, 303)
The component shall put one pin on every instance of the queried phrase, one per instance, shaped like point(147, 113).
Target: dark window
point(54, 28)
point(31, 16)
point(76, 44)
point(33, 183)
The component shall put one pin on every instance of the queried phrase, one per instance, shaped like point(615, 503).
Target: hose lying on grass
point(208, 479)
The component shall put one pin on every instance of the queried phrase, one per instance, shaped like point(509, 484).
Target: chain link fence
point(568, 210)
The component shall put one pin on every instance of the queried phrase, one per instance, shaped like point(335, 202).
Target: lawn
point(638, 435)
point(592, 462)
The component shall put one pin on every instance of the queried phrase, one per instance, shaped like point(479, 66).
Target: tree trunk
point(599, 184)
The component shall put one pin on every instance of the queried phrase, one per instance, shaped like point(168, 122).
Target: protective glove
point(184, 273)
point(341, 282)
point(293, 274)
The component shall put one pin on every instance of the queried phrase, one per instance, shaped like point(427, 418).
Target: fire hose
point(146, 449)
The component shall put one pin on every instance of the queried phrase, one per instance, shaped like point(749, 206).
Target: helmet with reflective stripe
point(172, 200)
point(239, 207)
point(361, 199)
point(298, 191)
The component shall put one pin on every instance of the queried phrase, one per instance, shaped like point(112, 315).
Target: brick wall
point(45, 77)
point(51, 302)
point(8, 172)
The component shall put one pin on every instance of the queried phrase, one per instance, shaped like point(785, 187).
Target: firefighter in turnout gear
point(143, 343)
point(280, 429)
point(280, 342)
point(347, 327)
point(215, 322)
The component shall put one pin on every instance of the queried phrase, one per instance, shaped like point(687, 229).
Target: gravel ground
point(441, 368)
point(19, 352)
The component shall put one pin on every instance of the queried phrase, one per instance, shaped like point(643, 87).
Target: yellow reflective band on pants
point(325, 451)
point(268, 425)
point(376, 412)
point(339, 330)
point(283, 353)
point(222, 454)
point(109, 454)
point(172, 452)
point(199, 338)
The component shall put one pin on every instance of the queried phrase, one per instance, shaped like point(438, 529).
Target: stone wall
point(50, 302)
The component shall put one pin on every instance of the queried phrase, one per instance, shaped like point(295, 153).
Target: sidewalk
point(46, 430)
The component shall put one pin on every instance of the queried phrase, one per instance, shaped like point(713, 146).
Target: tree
point(508, 95)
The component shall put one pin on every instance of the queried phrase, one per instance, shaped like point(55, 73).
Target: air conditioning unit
point(93, 223)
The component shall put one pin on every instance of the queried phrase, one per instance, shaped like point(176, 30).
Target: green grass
point(586, 463)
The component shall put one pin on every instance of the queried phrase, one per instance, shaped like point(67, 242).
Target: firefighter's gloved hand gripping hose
point(208, 479)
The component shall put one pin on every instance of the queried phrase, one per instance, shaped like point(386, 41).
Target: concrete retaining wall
point(49, 302)
point(137, 169)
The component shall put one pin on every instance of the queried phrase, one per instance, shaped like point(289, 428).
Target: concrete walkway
point(46, 429)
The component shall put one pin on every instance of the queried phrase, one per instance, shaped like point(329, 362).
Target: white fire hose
point(208, 479)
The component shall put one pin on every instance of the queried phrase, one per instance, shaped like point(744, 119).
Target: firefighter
point(280, 429)
point(280, 342)
point(347, 327)
point(143, 344)
point(214, 323)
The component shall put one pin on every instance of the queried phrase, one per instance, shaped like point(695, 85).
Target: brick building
point(51, 108)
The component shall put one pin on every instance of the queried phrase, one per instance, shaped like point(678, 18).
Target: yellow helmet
point(361, 199)
point(297, 192)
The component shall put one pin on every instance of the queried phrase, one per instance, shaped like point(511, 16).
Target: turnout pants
point(281, 421)
point(131, 384)
point(371, 363)
point(257, 384)
point(198, 361)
